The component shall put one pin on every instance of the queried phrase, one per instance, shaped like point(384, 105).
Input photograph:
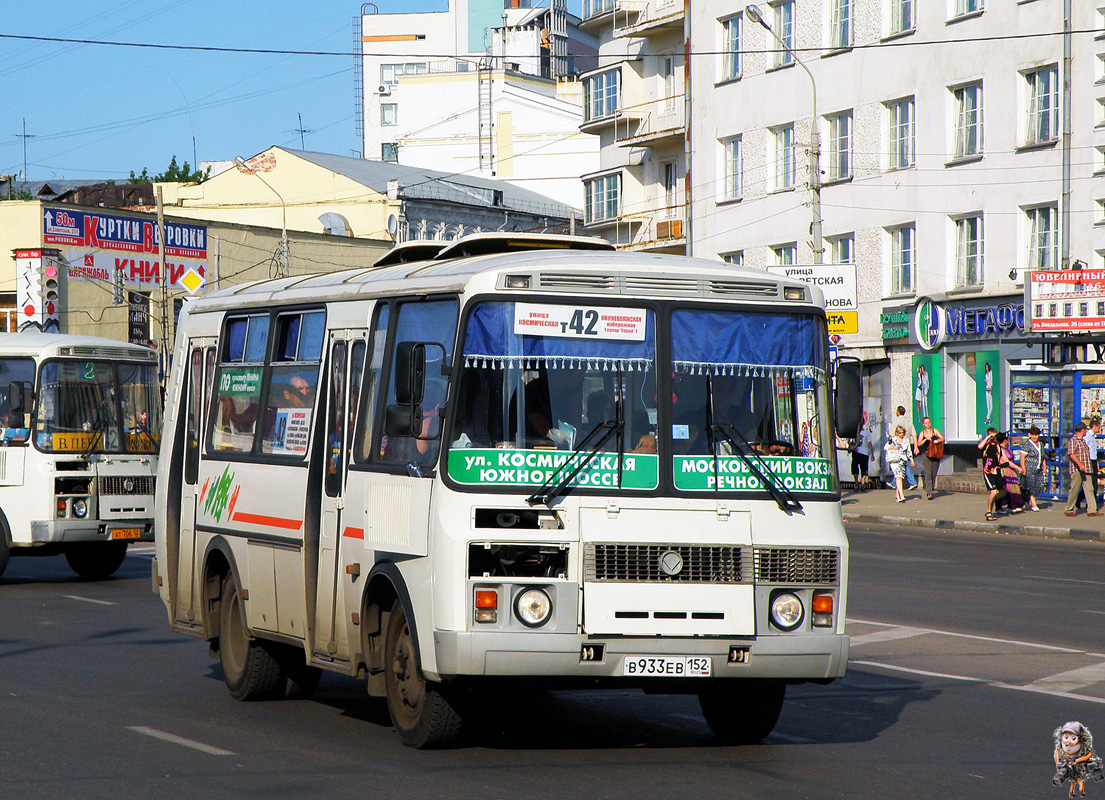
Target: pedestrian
point(1009, 471)
point(861, 458)
point(901, 419)
point(1095, 452)
point(1079, 455)
point(929, 445)
point(898, 450)
point(1032, 467)
point(991, 470)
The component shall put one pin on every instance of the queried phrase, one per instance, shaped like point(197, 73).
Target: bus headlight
point(786, 611)
point(533, 608)
point(80, 508)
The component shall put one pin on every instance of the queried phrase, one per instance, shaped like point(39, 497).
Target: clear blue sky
point(100, 112)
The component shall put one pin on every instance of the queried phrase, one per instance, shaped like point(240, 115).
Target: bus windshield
point(748, 401)
point(91, 406)
point(540, 378)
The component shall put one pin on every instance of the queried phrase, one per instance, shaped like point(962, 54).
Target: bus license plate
point(126, 533)
point(667, 666)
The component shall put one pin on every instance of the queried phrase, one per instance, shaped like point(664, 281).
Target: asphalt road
point(967, 653)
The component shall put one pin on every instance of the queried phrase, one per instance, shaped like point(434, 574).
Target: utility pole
point(25, 137)
point(164, 285)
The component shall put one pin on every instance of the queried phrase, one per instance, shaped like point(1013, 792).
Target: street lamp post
point(284, 268)
point(815, 141)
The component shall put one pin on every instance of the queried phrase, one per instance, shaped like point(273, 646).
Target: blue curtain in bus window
point(490, 341)
point(743, 343)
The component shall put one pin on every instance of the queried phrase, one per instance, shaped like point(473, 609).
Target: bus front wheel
point(422, 715)
point(95, 561)
point(249, 669)
point(745, 711)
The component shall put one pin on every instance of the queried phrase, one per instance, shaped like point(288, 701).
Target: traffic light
point(51, 296)
point(37, 287)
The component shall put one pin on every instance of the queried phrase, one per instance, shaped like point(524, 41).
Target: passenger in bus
point(298, 394)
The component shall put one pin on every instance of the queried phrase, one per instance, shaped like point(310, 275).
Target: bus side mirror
point(403, 420)
point(410, 373)
point(17, 401)
point(848, 398)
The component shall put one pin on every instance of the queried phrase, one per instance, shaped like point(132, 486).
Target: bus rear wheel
point(95, 561)
point(249, 669)
point(420, 711)
point(743, 712)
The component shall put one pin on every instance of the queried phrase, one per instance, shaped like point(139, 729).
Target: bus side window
point(433, 321)
point(238, 387)
point(335, 422)
point(363, 445)
point(208, 381)
point(192, 441)
point(356, 371)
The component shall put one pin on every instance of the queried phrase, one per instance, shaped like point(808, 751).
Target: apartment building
point(636, 103)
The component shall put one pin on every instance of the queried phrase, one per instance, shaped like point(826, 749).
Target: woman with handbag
point(1032, 466)
point(930, 444)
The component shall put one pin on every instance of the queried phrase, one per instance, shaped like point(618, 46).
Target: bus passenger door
point(342, 384)
point(185, 610)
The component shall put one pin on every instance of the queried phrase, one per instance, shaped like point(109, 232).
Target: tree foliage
point(175, 173)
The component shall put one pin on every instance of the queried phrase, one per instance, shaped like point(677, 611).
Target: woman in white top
point(898, 451)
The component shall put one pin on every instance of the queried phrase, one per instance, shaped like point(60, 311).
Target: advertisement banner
point(928, 390)
point(122, 234)
point(138, 273)
point(697, 474)
point(987, 391)
point(495, 467)
point(1067, 300)
point(138, 305)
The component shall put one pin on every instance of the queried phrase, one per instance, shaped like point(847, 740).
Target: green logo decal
point(219, 495)
point(534, 467)
point(696, 474)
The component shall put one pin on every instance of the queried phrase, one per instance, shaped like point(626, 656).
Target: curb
point(1038, 531)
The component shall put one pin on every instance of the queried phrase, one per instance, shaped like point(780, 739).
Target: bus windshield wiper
point(97, 429)
point(744, 451)
point(546, 495)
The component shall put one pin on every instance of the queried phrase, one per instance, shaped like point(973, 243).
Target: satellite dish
point(393, 225)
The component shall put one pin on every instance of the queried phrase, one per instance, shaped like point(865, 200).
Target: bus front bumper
point(795, 657)
point(90, 530)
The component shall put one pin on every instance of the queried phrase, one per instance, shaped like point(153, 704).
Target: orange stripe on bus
point(271, 522)
point(353, 533)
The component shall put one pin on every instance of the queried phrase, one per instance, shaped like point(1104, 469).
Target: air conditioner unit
point(384, 89)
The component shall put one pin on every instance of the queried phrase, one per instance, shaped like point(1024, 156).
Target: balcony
point(658, 230)
point(596, 13)
point(652, 122)
point(643, 18)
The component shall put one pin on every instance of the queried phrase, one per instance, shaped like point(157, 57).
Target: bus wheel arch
point(5, 542)
point(218, 564)
point(384, 586)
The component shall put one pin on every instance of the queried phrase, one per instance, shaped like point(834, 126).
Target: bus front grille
point(138, 484)
point(648, 563)
point(797, 565)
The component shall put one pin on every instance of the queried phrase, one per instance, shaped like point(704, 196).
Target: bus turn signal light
point(487, 605)
point(822, 610)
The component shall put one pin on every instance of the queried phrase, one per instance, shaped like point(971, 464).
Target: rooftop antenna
point(301, 130)
point(25, 137)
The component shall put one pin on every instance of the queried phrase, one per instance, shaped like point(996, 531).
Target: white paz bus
point(509, 459)
point(80, 427)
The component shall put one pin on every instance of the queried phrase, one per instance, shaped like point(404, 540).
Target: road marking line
point(88, 600)
point(168, 737)
point(912, 671)
point(972, 636)
point(1085, 698)
point(1073, 679)
point(888, 635)
point(1068, 580)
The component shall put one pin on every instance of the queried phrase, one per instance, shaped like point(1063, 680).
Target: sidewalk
point(967, 512)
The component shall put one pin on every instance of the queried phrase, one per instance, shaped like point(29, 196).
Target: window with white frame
point(963, 7)
point(901, 16)
point(785, 254)
point(668, 67)
point(670, 171)
point(843, 249)
point(1099, 160)
point(593, 8)
point(903, 259)
point(600, 95)
point(602, 197)
point(1042, 123)
point(969, 251)
point(731, 48)
point(840, 146)
point(902, 132)
point(1043, 237)
point(391, 73)
point(1099, 216)
point(784, 157)
point(968, 120)
point(731, 167)
point(389, 113)
point(842, 34)
point(784, 29)
point(736, 258)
